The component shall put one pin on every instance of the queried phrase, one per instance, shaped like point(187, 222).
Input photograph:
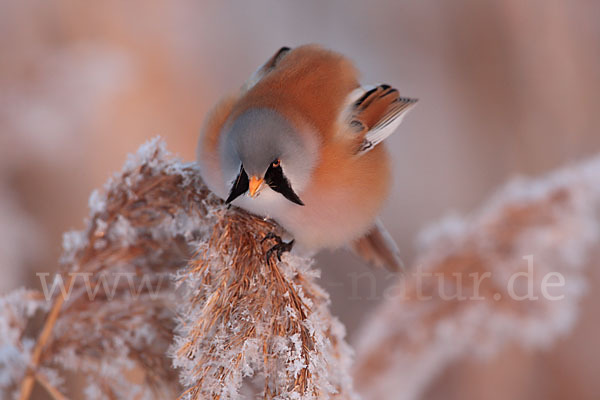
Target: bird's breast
point(342, 201)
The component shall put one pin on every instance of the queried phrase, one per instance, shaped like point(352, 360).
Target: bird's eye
point(277, 181)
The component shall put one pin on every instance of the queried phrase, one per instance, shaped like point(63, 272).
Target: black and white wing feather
point(376, 114)
point(265, 68)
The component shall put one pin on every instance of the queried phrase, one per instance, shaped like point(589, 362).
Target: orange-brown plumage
point(311, 91)
point(309, 85)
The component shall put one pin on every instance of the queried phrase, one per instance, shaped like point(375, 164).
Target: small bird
point(301, 143)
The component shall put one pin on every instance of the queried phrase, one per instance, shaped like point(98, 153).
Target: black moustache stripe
point(279, 183)
point(241, 186)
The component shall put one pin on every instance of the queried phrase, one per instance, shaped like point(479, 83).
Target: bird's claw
point(279, 248)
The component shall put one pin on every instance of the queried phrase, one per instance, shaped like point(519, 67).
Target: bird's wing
point(265, 68)
point(378, 248)
point(375, 114)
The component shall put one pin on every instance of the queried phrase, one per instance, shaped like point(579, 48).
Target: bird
point(301, 143)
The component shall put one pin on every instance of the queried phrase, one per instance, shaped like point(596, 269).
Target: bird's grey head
point(261, 150)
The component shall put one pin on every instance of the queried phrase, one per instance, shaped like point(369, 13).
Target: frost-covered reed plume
point(167, 293)
point(112, 314)
point(111, 317)
point(255, 328)
point(478, 283)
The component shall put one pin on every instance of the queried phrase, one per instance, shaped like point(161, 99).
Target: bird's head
point(262, 152)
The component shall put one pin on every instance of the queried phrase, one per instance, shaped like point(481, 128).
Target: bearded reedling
point(301, 143)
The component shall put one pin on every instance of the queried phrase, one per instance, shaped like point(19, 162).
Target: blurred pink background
point(505, 88)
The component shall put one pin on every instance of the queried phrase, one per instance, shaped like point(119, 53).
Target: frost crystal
point(116, 323)
point(479, 283)
point(252, 326)
point(165, 275)
point(16, 308)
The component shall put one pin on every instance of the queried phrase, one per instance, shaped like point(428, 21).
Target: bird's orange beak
point(254, 185)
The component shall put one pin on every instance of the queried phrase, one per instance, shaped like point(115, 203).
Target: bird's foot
point(279, 248)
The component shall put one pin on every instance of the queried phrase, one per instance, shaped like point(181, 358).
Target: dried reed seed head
point(119, 315)
point(241, 320)
point(458, 299)
point(251, 319)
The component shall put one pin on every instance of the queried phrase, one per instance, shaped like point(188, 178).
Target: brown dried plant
point(244, 317)
point(477, 283)
point(113, 313)
point(167, 293)
point(113, 318)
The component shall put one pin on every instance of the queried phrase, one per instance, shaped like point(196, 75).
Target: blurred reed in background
point(505, 88)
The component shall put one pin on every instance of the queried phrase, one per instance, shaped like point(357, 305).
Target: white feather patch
point(387, 124)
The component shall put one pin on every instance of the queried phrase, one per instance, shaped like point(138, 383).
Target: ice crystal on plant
point(531, 228)
point(237, 326)
point(116, 323)
point(248, 325)
point(16, 308)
